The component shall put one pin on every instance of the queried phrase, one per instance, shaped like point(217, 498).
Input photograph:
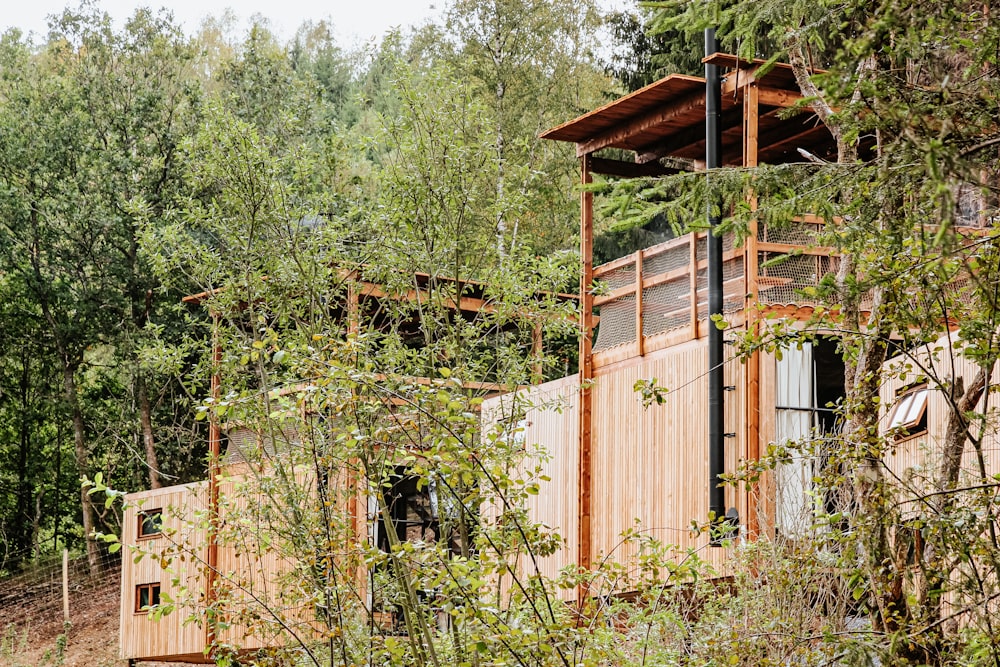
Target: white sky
point(353, 20)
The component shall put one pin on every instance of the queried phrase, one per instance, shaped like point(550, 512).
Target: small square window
point(909, 415)
point(146, 596)
point(150, 523)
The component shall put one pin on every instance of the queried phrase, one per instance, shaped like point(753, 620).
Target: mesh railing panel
point(666, 306)
point(781, 278)
point(669, 260)
point(620, 277)
point(803, 234)
point(617, 325)
point(734, 286)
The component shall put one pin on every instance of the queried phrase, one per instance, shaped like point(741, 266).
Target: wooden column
point(214, 453)
point(586, 370)
point(640, 345)
point(751, 116)
point(353, 306)
point(357, 501)
point(693, 268)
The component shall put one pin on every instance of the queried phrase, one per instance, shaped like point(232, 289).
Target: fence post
point(65, 585)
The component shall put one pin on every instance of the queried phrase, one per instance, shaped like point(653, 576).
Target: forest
point(117, 146)
point(141, 165)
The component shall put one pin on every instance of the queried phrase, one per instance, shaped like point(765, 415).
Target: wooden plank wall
point(651, 464)
point(252, 568)
point(765, 493)
point(140, 636)
point(551, 420)
point(915, 461)
point(251, 571)
point(554, 424)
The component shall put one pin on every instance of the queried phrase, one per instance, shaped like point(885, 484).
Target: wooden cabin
point(618, 465)
point(614, 464)
point(201, 546)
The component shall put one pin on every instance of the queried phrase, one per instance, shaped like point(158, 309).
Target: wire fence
point(36, 600)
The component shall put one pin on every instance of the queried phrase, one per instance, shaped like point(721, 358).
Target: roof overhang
point(666, 119)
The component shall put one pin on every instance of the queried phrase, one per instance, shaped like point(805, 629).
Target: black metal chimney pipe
point(716, 413)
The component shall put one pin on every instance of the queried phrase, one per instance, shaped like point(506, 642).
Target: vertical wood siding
point(916, 460)
point(650, 464)
point(171, 635)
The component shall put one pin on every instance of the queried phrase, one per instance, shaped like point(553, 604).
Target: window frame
point(152, 591)
point(909, 412)
point(146, 516)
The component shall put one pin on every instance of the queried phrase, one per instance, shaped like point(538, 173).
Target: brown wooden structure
point(177, 528)
point(644, 318)
point(616, 465)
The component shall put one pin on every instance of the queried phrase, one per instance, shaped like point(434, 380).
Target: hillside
point(31, 617)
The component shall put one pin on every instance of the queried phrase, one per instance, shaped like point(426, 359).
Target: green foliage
point(641, 56)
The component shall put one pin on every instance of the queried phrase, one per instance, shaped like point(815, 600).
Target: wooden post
point(586, 371)
point(214, 446)
point(751, 115)
point(353, 306)
point(693, 236)
point(65, 585)
point(357, 503)
point(639, 342)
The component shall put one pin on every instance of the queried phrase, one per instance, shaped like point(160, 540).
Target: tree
point(639, 57)
point(532, 64)
point(110, 108)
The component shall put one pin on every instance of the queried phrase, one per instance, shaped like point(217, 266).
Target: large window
point(809, 386)
point(418, 512)
point(411, 512)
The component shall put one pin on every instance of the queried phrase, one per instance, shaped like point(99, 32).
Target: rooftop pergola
point(763, 118)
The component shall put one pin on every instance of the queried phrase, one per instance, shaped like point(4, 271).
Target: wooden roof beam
point(623, 169)
point(767, 96)
point(787, 141)
point(777, 97)
point(686, 138)
point(737, 80)
point(623, 131)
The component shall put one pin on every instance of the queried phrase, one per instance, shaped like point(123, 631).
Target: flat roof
point(667, 118)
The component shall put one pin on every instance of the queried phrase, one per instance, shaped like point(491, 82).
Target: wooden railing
point(658, 296)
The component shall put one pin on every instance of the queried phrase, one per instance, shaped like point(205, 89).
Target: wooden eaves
point(666, 119)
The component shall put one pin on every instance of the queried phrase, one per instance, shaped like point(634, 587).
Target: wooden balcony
point(662, 292)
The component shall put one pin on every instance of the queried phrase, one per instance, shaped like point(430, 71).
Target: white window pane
point(917, 405)
point(900, 411)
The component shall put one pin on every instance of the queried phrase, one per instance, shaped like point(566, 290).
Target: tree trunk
point(146, 421)
point(19, 539)
point(82, 464)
